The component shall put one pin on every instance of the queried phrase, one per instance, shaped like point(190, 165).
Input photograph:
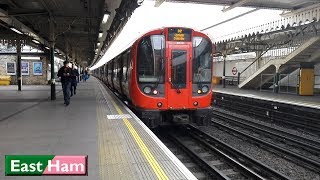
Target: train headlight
point(195, 103)
point(147, 90)
point(205, 89)
point(159, 104)
point(155, 92)
point(199, 91)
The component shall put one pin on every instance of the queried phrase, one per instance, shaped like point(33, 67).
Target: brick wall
point(30, 79)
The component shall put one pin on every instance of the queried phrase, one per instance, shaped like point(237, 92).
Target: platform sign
point(11, 68)
point(39, 165)
point(234, 71)
point(25, 68)
point(179, 34)
point(37, 68)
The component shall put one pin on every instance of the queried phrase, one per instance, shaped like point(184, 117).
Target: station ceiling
point(270, 4)
point(76, 23)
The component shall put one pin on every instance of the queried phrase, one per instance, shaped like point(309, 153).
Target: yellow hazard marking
point(146, 152)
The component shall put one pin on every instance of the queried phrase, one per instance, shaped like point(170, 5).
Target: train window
point(202, 60)
point(124, 67)
point(151, 59)
point(179, 68)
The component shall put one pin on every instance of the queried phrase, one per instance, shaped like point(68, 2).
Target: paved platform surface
point(32, 124)
point(307, 101)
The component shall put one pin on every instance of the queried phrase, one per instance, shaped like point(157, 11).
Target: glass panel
point(179, 68)
point(151, 59)
point(202, 60)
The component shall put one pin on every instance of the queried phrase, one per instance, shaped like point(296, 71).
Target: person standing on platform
point(74, 79)
point(65, 73)
point(85, 75)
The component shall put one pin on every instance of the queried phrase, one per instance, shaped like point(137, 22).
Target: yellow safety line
point(101, 146)
point(146, 152)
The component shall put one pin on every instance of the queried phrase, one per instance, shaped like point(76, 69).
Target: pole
point(224, 72)
point(53, 79)
point(19, 74)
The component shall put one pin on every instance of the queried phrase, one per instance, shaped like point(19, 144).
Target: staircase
point(304, 53)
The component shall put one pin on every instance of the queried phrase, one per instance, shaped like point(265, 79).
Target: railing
point(267, 80)
point(289, 84)
point(317, 83)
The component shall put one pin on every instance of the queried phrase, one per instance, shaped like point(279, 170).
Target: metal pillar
point(53, 80)
point(276, 86)
point(224, 71)
point(19, 74)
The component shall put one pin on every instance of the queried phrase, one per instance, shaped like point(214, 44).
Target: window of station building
point(151, 64)
point(202, 60)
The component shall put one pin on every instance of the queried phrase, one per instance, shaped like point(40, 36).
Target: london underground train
point(165, 76)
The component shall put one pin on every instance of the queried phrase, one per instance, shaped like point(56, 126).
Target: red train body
point(165, 74)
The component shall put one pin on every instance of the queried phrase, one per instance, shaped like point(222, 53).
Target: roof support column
point(19, 74)
point(52, 43)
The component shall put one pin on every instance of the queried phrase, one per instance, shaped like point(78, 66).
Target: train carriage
point(165, 75)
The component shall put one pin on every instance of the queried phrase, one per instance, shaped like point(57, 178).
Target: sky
point(196, 16)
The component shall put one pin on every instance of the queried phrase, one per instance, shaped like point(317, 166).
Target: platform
point(292, 99)
point(118, 144)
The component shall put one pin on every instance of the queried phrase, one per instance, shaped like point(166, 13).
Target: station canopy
point(75, 26)
point(216, 18)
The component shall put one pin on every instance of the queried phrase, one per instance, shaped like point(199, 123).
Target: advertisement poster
point(11, 68)
point(37, 68)
point(25, 68)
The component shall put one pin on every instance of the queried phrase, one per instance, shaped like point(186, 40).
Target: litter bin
point(5, 80)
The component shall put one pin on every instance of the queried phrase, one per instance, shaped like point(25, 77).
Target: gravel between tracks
point(271, 159)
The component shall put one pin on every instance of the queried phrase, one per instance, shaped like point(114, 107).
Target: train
point(165, 76)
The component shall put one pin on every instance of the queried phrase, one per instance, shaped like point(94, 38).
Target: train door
point(178, 89)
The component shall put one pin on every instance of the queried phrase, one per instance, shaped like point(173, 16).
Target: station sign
point(39, 165)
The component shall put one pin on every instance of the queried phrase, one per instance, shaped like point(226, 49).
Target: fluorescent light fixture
point(35, 41)
point(105, 18)
point(30, 58)
point(15, 30)
point(100, 35)
point(47, 47)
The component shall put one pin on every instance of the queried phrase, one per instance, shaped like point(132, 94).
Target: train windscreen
point(202, 60)
point(150, 60)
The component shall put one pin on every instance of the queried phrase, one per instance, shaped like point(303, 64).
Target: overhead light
point(100, 35)
point(47, 47)
point(105, 17)
point(15, 30)
point(30, 58)
point(98, 44)
point(35, 41)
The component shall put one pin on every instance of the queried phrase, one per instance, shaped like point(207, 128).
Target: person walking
point(74, 79)
point(85, 75)
point(65, 72)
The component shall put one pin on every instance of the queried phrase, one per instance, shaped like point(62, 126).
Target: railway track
point(220, 160)
point(310, 124)
point(295, 148)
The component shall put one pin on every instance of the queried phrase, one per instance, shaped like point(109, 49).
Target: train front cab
point(173, 77)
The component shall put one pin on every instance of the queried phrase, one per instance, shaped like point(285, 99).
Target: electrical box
point(306, 87)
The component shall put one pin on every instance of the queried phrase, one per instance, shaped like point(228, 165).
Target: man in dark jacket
point(65, 73)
